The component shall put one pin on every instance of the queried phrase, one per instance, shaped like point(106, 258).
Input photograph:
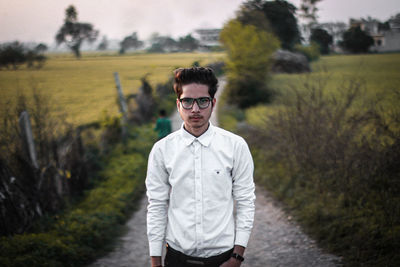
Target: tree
point(160, 44)
point(281, 17)
point(188, 43)
point(41, 48)
point(322, 38)
point(335, 29)
point(103, 44)
point(73, 33)
point(12, 55)
point(308, 12)
point(356, 40)
point(249, 51)
point(251, 13)
point(131, 41)
point(16, 54)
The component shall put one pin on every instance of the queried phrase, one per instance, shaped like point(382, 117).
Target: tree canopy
point(280, 15)
point(249, 52)
point(160, 44)
point(15, 54)
point(356, 40)
point(73, 33)
point(322, 38)
point(103, 45)
point(188, 43)
point(131, 41)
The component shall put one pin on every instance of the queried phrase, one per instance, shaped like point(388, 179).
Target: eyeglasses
point(202, 102)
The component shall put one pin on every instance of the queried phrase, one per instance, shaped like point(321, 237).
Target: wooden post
point(123, 107)
point(26, 129)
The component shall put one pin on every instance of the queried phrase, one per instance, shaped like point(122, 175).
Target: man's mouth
point(195, 117)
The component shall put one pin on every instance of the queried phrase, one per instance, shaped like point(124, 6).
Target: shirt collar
point(204, 139)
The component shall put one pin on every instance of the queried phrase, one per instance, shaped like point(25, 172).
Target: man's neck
point(196, 132)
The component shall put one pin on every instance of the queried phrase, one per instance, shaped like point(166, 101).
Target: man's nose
point(195, 107)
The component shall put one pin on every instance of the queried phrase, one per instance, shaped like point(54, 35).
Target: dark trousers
point(175, 258)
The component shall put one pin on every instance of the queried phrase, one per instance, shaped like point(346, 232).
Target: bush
point(335, 164)
point(311, 51)
point(45, 185)
point(13, 55)
point(82, 232)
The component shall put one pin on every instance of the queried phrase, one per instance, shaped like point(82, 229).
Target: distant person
point(163, 125)
point(194, 177)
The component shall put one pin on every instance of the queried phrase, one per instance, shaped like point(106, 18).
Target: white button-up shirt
point(192, 184)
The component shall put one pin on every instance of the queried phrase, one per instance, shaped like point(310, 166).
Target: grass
point(380, 73)
point(84, 88)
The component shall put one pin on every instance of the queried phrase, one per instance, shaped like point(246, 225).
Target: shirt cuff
point(242, 238)
point(156, 248)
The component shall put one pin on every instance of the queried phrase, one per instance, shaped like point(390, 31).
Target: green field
point(379, 75)
point(83, 89)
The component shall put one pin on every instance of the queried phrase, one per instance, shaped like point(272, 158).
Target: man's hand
point(155, 261)
point(231, 263)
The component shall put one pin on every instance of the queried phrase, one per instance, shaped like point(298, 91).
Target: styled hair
point(200, 75)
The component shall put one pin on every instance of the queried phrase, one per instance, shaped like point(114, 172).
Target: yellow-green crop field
point(83, 89)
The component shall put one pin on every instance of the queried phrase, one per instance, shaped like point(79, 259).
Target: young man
point(194, 176)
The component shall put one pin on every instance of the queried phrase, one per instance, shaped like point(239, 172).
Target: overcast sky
point(39, 20)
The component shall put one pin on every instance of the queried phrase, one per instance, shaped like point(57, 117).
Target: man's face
point(195, 119)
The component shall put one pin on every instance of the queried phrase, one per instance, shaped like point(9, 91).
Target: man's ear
point(213, 102)
point(177, 104)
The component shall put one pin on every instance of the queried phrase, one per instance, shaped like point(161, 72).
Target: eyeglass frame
point(197, 101)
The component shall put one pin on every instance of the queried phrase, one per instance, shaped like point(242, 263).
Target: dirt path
point(275, 240)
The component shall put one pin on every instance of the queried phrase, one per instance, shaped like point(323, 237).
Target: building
point(208, 38)
point(385, 39)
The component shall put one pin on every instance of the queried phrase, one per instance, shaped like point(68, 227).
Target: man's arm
point(243, 193)
point(158, 195)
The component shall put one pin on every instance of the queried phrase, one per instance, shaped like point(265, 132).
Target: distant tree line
point(278, 17)
point(15, 54)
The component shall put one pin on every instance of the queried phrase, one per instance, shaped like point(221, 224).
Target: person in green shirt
point(163, 125)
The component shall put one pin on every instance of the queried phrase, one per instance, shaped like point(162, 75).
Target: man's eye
point(187, 100)
point(203, 100)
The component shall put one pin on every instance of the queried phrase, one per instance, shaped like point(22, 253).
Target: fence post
point(26, 129)
point(123, 107)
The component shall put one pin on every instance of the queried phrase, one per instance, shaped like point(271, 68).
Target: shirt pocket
point(217, 185)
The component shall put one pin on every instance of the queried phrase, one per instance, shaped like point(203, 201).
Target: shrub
point(335, 163)
point(13, 55)
point(310, 51)
point(40, 186)
point(81, 233)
